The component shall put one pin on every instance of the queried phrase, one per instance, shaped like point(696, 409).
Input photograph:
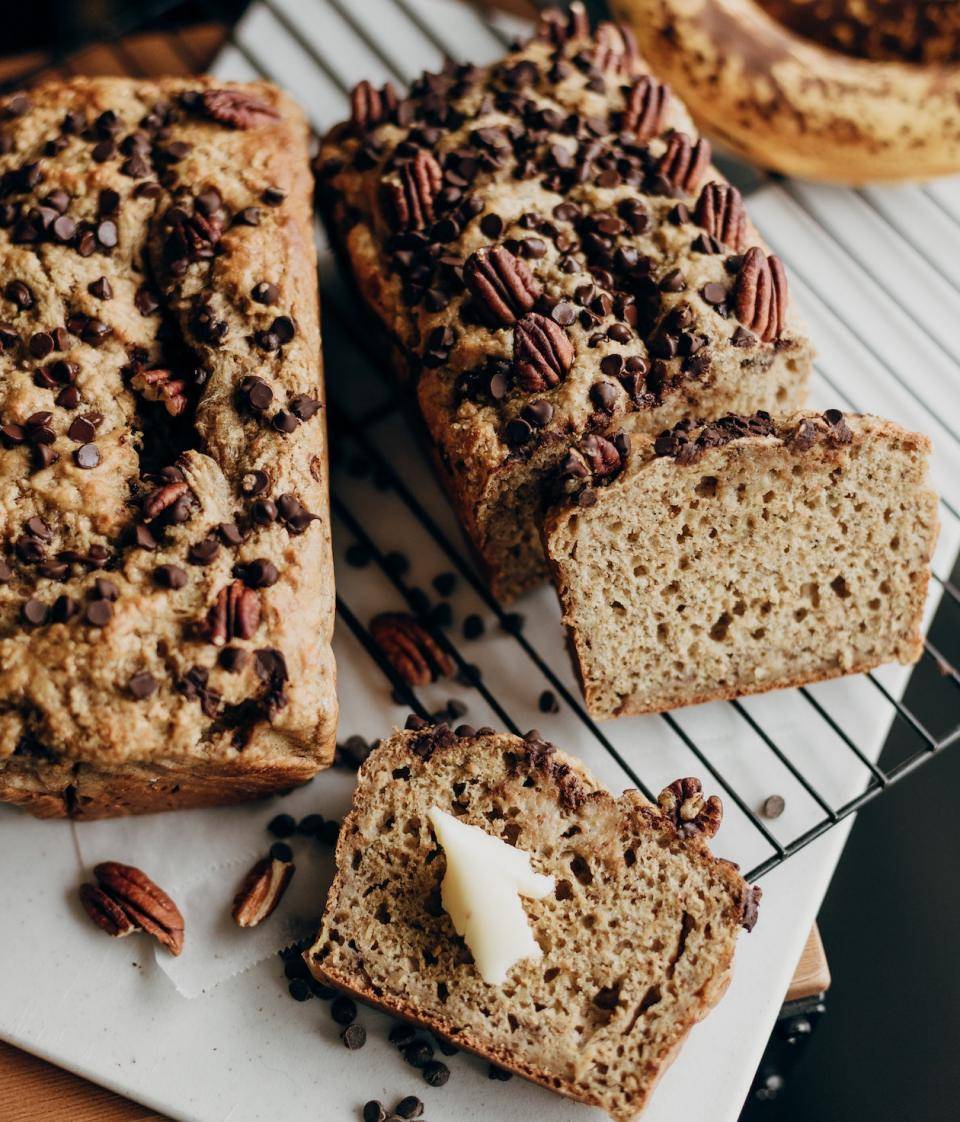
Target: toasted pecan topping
point(261, 891)
point(144, 903)
point(411, 199)
point(542, 353)
point(646, 105)
point(410, 648)
point(370, 106)
point(559, 26)
point(760, 294)
point(237, 108)
point(616, 48)
point(501, 282)
point(684, 162)
point(235, 614)
point(684, 805)
point(721, 213)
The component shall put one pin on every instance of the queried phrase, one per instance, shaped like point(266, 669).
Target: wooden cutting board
point(32, 1090)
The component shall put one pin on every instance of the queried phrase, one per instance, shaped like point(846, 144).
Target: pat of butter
point(481, 892)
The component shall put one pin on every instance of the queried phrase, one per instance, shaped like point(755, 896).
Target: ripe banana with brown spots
point(788, 103)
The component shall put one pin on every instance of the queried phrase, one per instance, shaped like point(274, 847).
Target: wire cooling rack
point(877, 275)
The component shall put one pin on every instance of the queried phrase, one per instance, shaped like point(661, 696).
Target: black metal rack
point(923, 725)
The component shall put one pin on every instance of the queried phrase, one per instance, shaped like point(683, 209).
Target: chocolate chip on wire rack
point(282, 825)
point(773, 806)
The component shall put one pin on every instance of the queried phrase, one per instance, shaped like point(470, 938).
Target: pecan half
point(262, 889)
point(237, 108)
point(683, 803)
point(143, 902)
point(163, 498)
point(684, 162)
point(646, 105)
point(616, 48)
point(105, 912)
point(189, 237)
point(235, 614)
point(750, 907)
point(542, 353)
point(720, 211)
point(411, 200)
point(559, 26)
point(162, 386)
point(501, 282)
point(595, 458)
point(410, 648)
point(760, 294)
point(370, 106)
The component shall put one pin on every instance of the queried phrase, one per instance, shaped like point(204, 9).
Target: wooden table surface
point(32, 1090)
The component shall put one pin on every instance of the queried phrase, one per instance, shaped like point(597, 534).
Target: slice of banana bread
point(638, 936)
point(546, 248)
point(741, 556)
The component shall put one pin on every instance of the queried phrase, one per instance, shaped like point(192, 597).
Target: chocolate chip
point(303, 406)
point(249, 216)
point(104, 589)
point(65, 608)
point(418, 1054)
point(374, 1112)
point(142, 685)
point(261, 573)
point(19, 293)
point(564, 313)
point(265, 292)
point(36, 525)
point(254, 482)
point(344, 1010)
point(263, 511)
point(773, 806)
point(99, 613)
point(107, 234)
point(714, 294)
point(409, 1107)
point(203, 552)
point(284, 329)
point(285, 422)
point(517, 432)
point(673, 281)
point(87, 456)
point(81, 430)
point(170, 576)
point(436, 1073)
point(233, 659)
point(273, 196)
point(354, 1037)
point(100, 288)
point(604, 396)
point(299, 989)
point(6, 573)
point(498, 1073)
point(230, 533)
point(401, 1035)
point(282, 825)
point(280, 851)
point(473, 627)
point(258, 393)
point(102, 151)
point(145, 300)
point(143, 538)
point(34, 612)
point(619, 333)
point(537, 413)
point(548, 703)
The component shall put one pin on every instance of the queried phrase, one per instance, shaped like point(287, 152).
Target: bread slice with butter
point(637, 936)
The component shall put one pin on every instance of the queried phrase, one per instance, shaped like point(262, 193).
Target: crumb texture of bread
point(166, 583)
point(546, 247)
point(638, 936)
point(713, 566)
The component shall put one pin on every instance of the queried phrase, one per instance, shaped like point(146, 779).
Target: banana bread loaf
point(741, 556)
point(637, 937)
point(166, 588)
point(547, 248)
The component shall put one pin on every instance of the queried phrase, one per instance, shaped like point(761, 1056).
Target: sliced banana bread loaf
point(637, 938)
point(741, 556)
point(547, 248)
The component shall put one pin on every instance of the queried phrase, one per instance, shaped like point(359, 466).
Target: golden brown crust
point(782, 101)
point(181, 604)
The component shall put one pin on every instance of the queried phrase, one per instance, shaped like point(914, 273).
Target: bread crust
point(571, 780)
point(76, 738)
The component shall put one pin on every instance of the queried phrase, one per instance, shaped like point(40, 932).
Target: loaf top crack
point(166, 583)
